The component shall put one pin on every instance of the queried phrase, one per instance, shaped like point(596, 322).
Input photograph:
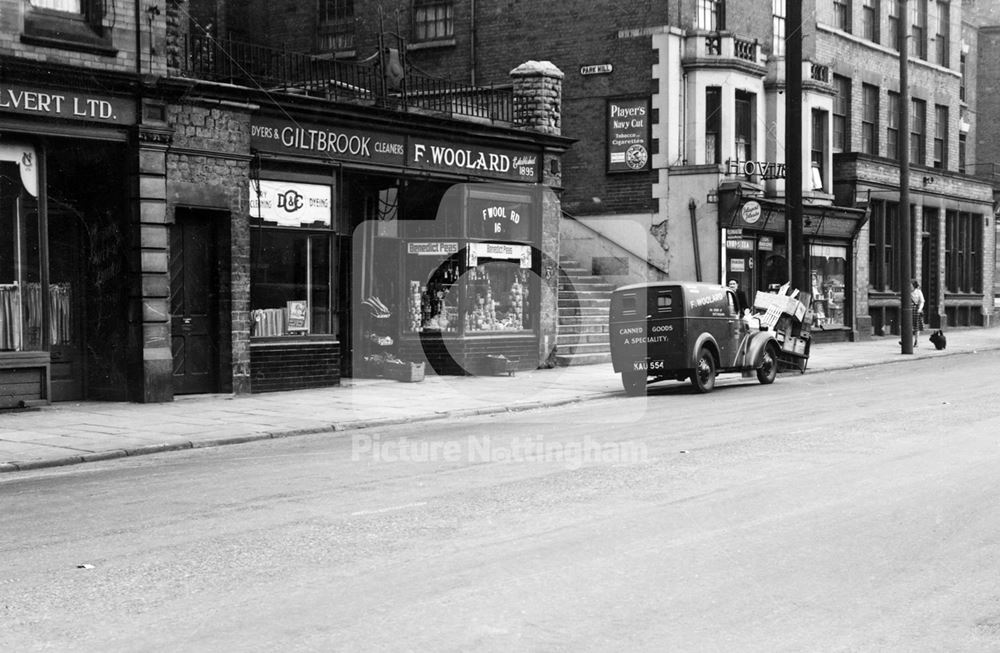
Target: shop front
point(754, 252)
point(372, 244)
point(64, 234)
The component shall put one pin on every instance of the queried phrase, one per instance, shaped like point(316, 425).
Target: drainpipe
point(694, 239)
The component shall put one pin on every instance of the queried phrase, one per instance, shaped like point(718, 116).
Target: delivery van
point(675, 330)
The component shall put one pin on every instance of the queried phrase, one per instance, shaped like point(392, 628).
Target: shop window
point(69, 24)
point(292, 271)
point(21, 292)
point(841, 113)
point(778, 27)
point(882, 250)
point(473, 295)
point(870, 12)
point(828, 269)
point(918, 132)
point(963, 252)
point(940, 136)
point(713, 124)
point(336, 25)
point(433, 19)
point(711, 15)
point(869, 119)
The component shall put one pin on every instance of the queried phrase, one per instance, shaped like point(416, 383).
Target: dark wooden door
point(194, 303)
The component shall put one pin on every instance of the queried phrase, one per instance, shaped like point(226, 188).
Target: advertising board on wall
point(628, 135)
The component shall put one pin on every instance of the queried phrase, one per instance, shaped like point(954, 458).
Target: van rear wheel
point(634, 383)
point(703, 375)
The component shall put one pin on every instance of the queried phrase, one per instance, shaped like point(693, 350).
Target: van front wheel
point(768, 369)
point(703, 375)
point(634, 383)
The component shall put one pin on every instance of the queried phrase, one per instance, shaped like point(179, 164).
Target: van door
point(731, 336)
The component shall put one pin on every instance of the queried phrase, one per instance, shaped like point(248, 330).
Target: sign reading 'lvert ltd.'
point(66, 104)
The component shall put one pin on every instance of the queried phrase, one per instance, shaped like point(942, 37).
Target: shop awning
point(740, 209)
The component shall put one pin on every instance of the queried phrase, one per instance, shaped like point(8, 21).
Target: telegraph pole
point(905, 243)
point(793, 146)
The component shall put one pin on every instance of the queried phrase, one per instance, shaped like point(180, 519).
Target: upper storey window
point(433, 19)
point(711, 15)
point(337, 24)
point(778, 27)
point(67, 24)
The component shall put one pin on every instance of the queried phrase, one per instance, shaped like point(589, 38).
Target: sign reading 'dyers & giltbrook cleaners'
point(65, 104)
point(280, 136)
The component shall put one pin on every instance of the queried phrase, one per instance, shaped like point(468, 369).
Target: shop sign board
point(288, 204)
point(292, 138)
point(737, 265)
point(766, 243)
point(496, 163)
point(520, 253)
point(750, 213)
point(597, 69)
point(744, 244)
point(41, 101)
point(282, 136)
point(431, 249)
point(628, 135)
point(503, 220)
point(765, 170)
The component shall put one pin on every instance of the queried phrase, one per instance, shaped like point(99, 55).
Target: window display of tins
point(432, 292)
point(468, 293)
point(497, 298)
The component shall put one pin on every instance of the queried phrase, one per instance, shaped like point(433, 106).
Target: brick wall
point(119, 22)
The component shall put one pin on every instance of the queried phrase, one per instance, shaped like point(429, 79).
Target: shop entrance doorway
point(194, 301)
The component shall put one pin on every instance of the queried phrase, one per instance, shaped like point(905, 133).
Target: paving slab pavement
point(76, 432)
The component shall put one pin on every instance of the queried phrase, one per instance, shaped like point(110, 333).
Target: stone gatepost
point(538, 108)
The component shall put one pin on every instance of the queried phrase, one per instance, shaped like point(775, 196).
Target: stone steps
point(583, 303)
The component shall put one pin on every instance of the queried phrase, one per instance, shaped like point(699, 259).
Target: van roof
point(691, 286)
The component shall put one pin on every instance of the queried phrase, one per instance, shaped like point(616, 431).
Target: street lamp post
point(905, 244)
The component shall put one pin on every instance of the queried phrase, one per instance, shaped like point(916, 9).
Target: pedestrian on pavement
point(741, 298)
point(917, 304)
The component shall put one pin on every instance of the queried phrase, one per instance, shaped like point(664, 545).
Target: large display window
point(472, 292)
point(828, 269)
point(21, 292)
point(292, 280)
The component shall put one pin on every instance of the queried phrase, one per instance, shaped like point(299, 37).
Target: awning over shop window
point(740, 208)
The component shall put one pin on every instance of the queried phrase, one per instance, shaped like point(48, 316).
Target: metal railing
point(244, 64)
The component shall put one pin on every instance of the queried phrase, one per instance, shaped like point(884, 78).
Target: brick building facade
point(663, 219)
point(182, 213)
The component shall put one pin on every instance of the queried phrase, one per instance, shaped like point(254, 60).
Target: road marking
point(390, 509)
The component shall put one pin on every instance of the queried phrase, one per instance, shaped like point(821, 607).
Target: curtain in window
point(10, 317)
